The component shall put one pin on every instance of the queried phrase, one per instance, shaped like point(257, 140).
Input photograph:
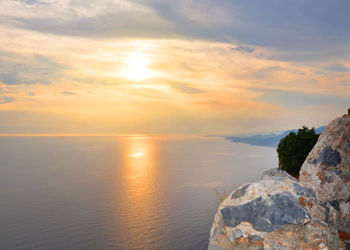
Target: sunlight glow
point(151, 86)
point(137, 154)
point(137, 67)
point(139, 158)
point(140, 188)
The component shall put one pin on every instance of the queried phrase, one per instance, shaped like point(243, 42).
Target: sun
point(137, 67)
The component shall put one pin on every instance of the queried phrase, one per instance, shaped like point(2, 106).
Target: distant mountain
point(267, 140)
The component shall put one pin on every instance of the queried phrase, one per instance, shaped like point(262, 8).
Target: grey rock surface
point(269, 214)
point(329, 157)
point(276, 212)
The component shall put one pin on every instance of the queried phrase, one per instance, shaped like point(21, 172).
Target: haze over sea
point(120, 192)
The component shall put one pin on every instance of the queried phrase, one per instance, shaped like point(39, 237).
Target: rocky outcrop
point(279, 212)
point(274, 212)
point(327, 169)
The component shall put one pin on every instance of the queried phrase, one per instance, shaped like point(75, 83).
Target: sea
point(119, 192)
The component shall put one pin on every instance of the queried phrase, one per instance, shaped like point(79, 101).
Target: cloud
point(68, 93)
point(87, 19)
point(185, 87)
point(288, 25)
point(337, 67)
point(243, 49)
point(28, 69)
point(33, 2)
point(6, 99)
point(291, 99)
point(208, 56)
point(309, 54)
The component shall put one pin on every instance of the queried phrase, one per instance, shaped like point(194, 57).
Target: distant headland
point(267, 140)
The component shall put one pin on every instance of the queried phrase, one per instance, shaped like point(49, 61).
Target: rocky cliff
point(280, 212)
point(327, 169)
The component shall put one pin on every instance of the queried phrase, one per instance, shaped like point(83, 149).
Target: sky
point(172, 67)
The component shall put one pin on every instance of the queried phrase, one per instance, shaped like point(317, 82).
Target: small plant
point(294, 148)
point(221, 197)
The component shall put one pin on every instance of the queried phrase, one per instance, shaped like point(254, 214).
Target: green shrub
point(294, 148)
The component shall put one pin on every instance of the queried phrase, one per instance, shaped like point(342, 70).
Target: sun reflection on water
point(139, 161)
point(140, 190)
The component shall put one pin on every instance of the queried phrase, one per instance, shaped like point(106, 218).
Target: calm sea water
point(136, 192)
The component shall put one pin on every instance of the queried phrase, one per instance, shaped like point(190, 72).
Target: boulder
point(272, 213)
point(327, 170)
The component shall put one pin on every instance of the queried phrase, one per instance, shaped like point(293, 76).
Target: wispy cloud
point(291, 25)
point(6, 99)
point(219, 67)
point(291, 99)
point(68, 93)
point(337, 67)
point(19, 68)
point(243, 49)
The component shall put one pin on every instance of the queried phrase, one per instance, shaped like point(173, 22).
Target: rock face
point(272, 213)
point(327, 169)
point(279, 212)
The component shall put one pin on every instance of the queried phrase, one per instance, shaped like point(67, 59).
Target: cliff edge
point(280, 212)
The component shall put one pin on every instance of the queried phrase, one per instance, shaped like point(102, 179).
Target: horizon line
point(94, 135)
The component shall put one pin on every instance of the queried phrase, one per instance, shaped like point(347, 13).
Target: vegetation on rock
point(294, 148)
